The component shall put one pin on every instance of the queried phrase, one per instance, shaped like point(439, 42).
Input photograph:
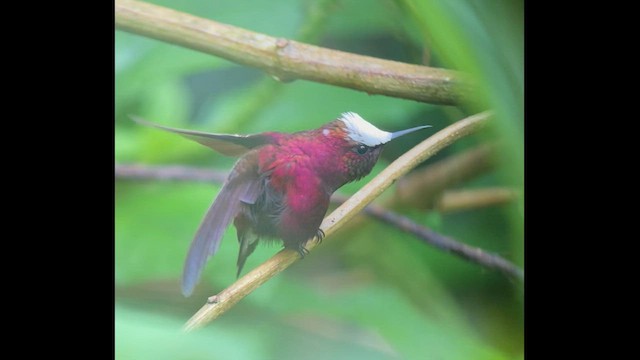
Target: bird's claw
point(302, 251)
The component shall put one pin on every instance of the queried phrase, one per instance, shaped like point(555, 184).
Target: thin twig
point(287, 60)
point(227, 298)
point(449, 201)
point(452, 200)
point(430, 237)
point(422, 188)
point(457, 200)
point(168, 172)
point(445, 243)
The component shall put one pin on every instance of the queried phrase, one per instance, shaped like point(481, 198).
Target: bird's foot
point(302, 251)
point(320, 236)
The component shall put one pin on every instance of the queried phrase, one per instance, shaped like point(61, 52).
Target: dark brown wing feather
point(226, 144)
point(242, 186)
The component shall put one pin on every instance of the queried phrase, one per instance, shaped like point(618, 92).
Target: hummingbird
point(279, 188)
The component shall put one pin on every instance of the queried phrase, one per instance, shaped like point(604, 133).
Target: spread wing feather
point(239, 188)
point(226, 144)
point(242, 187)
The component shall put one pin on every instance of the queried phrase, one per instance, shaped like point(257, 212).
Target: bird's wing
point(242, 186)
point(226, 144)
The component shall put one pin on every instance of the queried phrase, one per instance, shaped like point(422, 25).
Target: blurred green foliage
point(373, 294)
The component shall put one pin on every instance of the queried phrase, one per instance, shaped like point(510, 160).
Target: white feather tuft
point(362, 131)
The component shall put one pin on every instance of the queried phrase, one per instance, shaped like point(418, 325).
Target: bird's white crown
point(360, 130)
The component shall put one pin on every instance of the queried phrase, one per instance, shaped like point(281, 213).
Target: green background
point(374, 293)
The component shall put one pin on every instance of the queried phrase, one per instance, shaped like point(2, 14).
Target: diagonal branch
point(287, 60)
point(446, 243)
point(227, 298)
point(422, 188)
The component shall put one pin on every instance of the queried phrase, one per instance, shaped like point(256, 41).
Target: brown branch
point(422, 188)
point(445, 243)
point(168, 172)
point(287, 60)
point(430, 237)
point(457, 200)
point(227, 298)
point(449, 201)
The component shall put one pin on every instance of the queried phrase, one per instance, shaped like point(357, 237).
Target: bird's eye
point(362, 149)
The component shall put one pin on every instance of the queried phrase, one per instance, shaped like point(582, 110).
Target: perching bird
point(280, 187)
